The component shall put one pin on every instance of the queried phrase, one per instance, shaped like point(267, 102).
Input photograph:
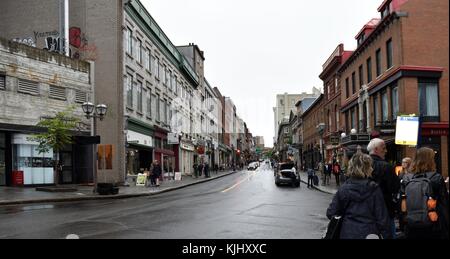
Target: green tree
point(56, 136)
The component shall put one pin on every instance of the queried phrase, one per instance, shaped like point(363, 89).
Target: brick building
point(400, 66)
point(332, 101)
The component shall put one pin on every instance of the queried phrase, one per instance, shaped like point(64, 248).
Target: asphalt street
point(244, 205)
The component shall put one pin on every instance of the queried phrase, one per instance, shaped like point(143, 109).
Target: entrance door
point(2, 160)
point(67, 170)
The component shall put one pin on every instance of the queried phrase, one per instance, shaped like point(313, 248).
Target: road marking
point(241, 181)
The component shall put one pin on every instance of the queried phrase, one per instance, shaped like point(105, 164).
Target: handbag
point(334, 228)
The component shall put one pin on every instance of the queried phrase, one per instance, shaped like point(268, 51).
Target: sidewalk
point(331, 188)
point(25, 195)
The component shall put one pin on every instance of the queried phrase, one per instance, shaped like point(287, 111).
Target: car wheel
point(277, 183)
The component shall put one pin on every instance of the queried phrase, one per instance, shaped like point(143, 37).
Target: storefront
point(187, 158)
point(139, 152)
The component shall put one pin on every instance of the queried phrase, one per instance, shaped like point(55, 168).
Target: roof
point(372, 24)
point(311, 106)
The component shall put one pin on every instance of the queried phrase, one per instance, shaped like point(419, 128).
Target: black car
point(287, 174)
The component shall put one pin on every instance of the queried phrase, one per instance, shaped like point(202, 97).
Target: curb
point(317, 188)
point(107, 197)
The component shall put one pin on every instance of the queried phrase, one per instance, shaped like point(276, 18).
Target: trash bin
point(17, 178)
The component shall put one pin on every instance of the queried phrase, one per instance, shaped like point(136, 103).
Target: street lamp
point(94, 112)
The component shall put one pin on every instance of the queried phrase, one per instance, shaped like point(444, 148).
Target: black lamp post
point(94, 112)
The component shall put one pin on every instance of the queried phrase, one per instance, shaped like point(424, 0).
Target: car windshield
point(286, 166)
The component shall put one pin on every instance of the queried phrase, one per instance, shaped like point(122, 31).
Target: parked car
point(252, 166)
point(287, 174)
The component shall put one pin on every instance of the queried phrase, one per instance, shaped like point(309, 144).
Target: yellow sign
point(141, 180)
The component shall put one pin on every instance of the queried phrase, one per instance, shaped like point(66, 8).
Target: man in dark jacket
point(156, 173)
point(384, 175)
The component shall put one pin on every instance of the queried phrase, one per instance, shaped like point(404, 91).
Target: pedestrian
point(360, 203)
point(384, 175)
point(195, 167)
point(404, 175)
point(200, 169)
point(206, 170)
point(311, 174)
point(337, 173)
point(155, 173)
point(320, 168)
point(430, 219)
point(328, 171)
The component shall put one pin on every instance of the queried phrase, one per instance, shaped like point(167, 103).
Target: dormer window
point(361, 39)
point(385, 11)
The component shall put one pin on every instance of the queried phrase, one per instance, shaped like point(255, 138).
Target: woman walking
point(360, 203)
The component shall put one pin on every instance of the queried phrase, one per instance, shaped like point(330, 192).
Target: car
point(252, 166)
point(287, 174)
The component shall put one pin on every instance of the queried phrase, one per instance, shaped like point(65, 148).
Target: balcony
point(359, 138)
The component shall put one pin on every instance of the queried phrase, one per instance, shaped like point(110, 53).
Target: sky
point(256, 49)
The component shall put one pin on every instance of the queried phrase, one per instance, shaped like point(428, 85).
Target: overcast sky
point(255, 49)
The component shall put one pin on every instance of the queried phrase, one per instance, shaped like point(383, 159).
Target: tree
point(57, 135)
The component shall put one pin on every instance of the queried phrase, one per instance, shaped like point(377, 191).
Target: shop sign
point(407, 130)
point(434, 132)
point(138, 138)
point(172, 139)
point(141, 180)
point(187, 147)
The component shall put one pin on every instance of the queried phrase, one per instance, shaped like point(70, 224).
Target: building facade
point(36, 84)
point(395, 71)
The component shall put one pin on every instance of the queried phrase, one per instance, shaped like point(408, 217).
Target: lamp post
point(94, 112)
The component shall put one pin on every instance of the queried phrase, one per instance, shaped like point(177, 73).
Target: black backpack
point(418, 191)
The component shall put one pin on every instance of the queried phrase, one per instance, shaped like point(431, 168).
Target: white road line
point(241, 181)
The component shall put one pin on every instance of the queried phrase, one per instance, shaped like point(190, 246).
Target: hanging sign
point(407, 130)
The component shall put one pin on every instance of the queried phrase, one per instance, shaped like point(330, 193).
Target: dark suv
point(287, 174)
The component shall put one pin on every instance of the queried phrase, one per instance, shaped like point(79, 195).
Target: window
point(375, 110)
point(162, 110)
point(378, 61)
point(80, 96)
point(157, 67)
point(129, 87)
point(148, 60)
point(428, 99)
point(385, 12)
point(2, 82)
point(149, 103)
point(28, 87)
point(353, 119)
point(389, 53)
point(394, 102)
point(369, 70)
point(129, 40)
point(139, 51)
point(336, 85)
point(337, 117)
point(353, 82)
point(57, 92)
point(346, 88)
point(281, 102)
point(384, 106)
point(154, 106)
point(361, 76)
point(139, 96)
point(167, 74)
point(175, 86)
point(158, 108)
point(172, 81)
point(346, 121)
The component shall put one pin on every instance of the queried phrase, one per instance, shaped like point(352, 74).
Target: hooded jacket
point(362, 206)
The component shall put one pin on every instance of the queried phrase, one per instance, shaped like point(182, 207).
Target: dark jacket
point(384, 175)
point(362, 206)
point(441, 229)
point(156, 172)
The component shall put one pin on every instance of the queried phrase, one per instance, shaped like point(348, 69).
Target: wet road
point(245, 205)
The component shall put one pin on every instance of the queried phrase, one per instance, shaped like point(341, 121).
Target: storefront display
point(37, 167)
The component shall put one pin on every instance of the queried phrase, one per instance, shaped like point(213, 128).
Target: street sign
point(407, 130)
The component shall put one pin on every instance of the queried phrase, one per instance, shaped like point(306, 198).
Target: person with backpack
point(384, 175)
point(425, 199)
point(311, 174)
point(360, 203)
point(405, 175)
